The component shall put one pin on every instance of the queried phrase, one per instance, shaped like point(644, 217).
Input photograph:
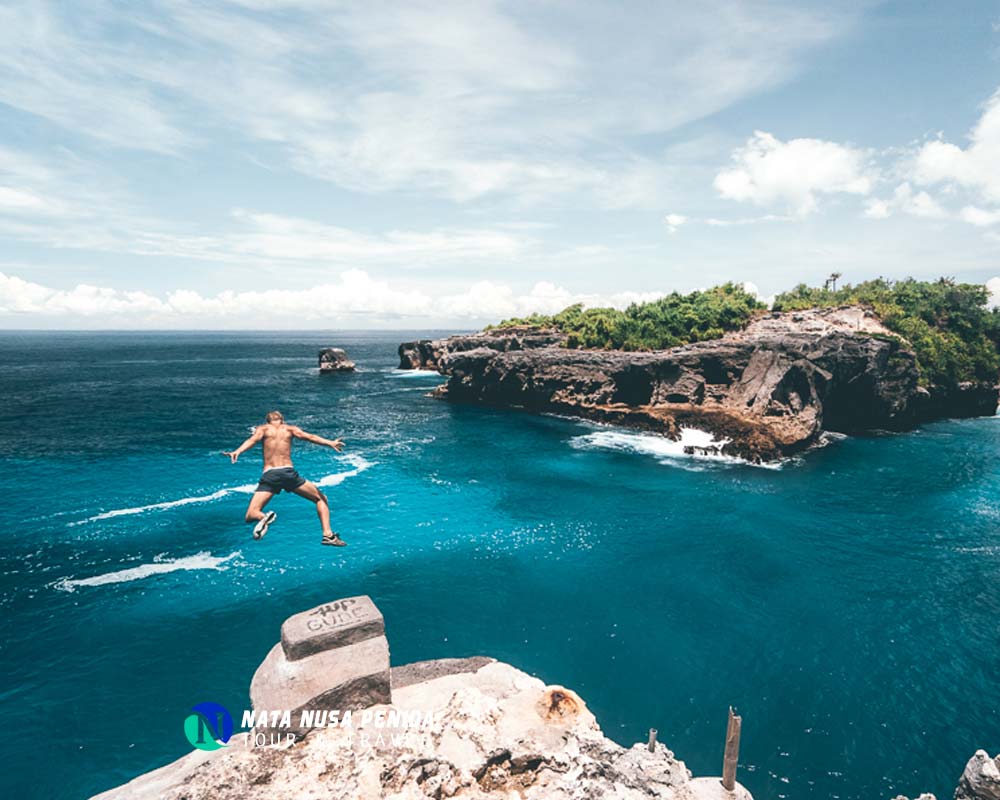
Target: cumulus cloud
point(905, 199)
point(355, 293)
point(768, 171)
point(976, 167)
point(993, 287)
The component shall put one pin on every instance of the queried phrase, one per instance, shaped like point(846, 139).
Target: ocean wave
point(664, 450)
point(359, 463)
point(202, 560)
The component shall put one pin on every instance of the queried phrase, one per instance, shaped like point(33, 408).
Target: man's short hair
point(274, 416)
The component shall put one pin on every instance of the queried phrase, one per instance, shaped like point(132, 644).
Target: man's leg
point(310, 491)
point(255, 511)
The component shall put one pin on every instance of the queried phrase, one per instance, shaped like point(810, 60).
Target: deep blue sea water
point(848, 604)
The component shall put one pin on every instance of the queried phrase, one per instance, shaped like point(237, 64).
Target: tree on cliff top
point(668, 322)
point(952, 329)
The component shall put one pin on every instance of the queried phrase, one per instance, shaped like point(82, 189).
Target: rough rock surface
point(430, 353)
point(333, 359)
point(769, 390)
point(494, 733)
point(980, 780)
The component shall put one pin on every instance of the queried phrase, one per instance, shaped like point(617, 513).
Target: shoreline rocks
point(771, 389)
point(980, 780)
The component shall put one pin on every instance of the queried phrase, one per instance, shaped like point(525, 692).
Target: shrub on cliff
point(954, 333)
point(670, 321)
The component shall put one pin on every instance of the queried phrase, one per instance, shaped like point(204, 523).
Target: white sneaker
point(261, 527)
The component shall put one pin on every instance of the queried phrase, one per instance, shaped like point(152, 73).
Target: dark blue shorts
point(279, 479)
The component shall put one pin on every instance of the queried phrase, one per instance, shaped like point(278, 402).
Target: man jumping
point(279, 474)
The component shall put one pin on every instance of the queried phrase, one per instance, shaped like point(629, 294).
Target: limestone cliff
point(767, 391)
point(495, 733)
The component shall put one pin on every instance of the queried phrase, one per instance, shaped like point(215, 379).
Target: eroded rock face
point(495, 733)
point(981, 778)
point(770, 390)
point(430, 353)
point(333, 359)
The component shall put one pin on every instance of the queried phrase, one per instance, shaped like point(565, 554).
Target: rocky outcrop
point(465, 728)
point(980, 780)
point(765, 392)
point(430, 353)
point(333, 359)
point(495, 733)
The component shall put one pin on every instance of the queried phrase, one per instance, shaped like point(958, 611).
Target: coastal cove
point(845, 601)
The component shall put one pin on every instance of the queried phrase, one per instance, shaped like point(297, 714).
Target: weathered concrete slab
point(350, 677)
point(335, 624)
point(712, 789)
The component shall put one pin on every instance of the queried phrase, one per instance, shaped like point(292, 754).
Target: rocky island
point(765, 390)
point(333, 360)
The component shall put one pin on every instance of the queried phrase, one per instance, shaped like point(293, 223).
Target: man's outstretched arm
point(298, 433)
point(256, 436)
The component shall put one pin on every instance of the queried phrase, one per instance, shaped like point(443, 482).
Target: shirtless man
point(279, 474)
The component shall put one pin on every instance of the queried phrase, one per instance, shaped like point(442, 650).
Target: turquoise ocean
point(847, 603)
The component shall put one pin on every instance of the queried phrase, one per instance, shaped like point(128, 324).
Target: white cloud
point(917, 204)
point(993, 287)
point(715, 222)
point(674, 222)
point(975, 167)
point(878, 209)
point(979, 216)
point(768, 171)
point(355, 293)
point(460, 99)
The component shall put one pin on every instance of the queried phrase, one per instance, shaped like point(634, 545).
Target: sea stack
point(334, 359)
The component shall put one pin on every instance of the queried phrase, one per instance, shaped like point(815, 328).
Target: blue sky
point(302, 163)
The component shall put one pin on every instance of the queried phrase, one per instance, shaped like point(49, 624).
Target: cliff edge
point(326, 725)
point(765, 392)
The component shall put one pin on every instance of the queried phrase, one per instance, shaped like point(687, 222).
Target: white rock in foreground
point(496, 733)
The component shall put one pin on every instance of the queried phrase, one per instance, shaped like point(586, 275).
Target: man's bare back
point(276, 437)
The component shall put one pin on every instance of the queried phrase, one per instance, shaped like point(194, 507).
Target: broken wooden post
point(652, 740)
point(732, 754)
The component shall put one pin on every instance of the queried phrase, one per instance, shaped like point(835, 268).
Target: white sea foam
point(203, 560)
point(415, 373)
point(358, 463)
point(184, 501)
point(663, 449)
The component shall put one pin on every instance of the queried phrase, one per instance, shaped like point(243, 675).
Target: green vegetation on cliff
point(954, 333)
point(668, 322)
point(952, 329)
